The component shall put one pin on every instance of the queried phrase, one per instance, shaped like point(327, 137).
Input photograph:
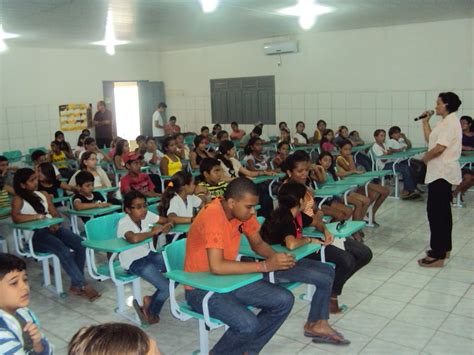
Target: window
point(244, 100)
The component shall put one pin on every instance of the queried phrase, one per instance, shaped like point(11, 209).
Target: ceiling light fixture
point(3, 36)
point(209, 6)
point(110, 41)
point(307, 11)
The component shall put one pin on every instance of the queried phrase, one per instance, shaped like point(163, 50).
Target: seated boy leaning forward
point(212, 174)
point(136, 226)
point(135, 179)
point(212, 246)
point(19, 328)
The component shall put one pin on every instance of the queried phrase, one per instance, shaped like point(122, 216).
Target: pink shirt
point(237, 135)
point(448, 133)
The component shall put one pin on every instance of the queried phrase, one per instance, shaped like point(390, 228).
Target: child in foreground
point(19, 328)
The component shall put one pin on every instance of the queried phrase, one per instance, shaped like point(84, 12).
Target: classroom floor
point(395, 307)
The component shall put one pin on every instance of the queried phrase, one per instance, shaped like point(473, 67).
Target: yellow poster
point(74, 117)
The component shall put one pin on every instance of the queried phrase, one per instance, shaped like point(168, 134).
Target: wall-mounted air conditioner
point(280, 47)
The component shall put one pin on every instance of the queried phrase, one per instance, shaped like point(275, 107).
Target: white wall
point(34, 82)
point(367, 79)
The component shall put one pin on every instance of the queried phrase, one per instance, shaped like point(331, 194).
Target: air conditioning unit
point(280, 47)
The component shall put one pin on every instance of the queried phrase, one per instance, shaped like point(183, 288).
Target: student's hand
point(270, 172)
point(167, 227)
point(40, 217)
point(359, 172)
point(200, 190)
point(280, 261)
point(35, 335)
point(104, 204)
point(402, 135)
point(54, 228)
point(328, 237)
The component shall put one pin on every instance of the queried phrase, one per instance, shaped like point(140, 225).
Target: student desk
point(349, 228)
point(91, 213)
point(263, 178)
point(5, 211)
point(466, 160)
point(327, 192)
point(299, 253)
point(24, 247)
point(359, 149)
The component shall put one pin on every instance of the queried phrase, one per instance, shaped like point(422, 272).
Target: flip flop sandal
point(140, 313)
point(330, 339)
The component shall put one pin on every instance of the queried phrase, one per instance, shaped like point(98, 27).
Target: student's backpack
point(418, 169)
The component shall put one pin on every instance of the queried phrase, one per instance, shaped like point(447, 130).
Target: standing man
point(442, 171)
point(103, 125)
point(158, 118)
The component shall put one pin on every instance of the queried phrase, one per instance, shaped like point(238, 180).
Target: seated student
point(113, 145)
point(38, 157)
point(86, 198)
point(182, 150)
point(466, 183)
point(87, 132)
point(222, 135)
point(137, 225)
point(231, 166)
point(205, 132)
point(285, 136)
point(90, 145)
point(327, 142)
point(346, 167)
point(380, 149)
point(179, 200)
point(362, 159)
point(80, 145)
point(237, 133)
point(199, 152)
point(354, 137)
point(6, 173)
point(216, 129)
point(318, 133)
point(112, 339)
point(300, 138)
point(122, 150)
point(64, 146)
point(31, 205)
point(171, 128)
point(141, 144)
point(285, 227)
point(47, 181)
point(135, 179)
point(171, 163)
point(89, 163)
point(19, 328)
point(212, 246)
point(282, 125)
point(398, 141)
point(254, 157)
point(255, 133)
point(283, 150)
point(262, 135)
point(467, 133)
point(5, 193)
point(213, 180)
point(59, 159)
point(152, 154)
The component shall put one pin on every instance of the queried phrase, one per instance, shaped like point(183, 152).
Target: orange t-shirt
point(212, 230)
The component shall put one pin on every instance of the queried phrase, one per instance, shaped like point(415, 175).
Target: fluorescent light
point(3, 36)
point(307, 11)
point(209, 6)
point(109, 42)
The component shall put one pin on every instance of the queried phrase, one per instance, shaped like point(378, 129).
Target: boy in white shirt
point(398, 141)
point(152, 154)
point(138, 225)
point(402, 167)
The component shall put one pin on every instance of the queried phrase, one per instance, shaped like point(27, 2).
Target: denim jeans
point(314, 273)
point(247, 332)
point(60, 244)
point(150, 268)
point(364, 161)
point(403, 168)
point(355, 256)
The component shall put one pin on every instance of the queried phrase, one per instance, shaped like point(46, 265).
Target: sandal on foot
point(431, 262)
point(334, 339)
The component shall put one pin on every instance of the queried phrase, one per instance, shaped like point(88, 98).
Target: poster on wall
point(75, 117)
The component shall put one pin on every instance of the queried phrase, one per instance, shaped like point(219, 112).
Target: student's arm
point(192, 160)
point(318, 223)
point(174, 218)
point(67, 187)
point(251, 165)
point(18, 217)
point(154, 159)
point(220, 266)
point(51, 208)
point(407, 141)
point(320, 173)
point(291, 242)
point(164, 166)
point(249, 173)
point(118, 162)
point(80, 206)
point(139, 237)
point(259, 246)
point(9, 190)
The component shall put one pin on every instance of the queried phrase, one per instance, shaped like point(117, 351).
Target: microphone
point(423, 116)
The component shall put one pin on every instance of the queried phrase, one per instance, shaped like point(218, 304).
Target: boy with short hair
point(398, 141)
point(6, 174)
point(38, 157)
point(87, 198)
point(211, 171)
point(152, 155)
point(144, 261)
point(19, 328)
point(135, 179)
point(141, 142)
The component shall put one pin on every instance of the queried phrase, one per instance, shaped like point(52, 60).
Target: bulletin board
point(75, 117)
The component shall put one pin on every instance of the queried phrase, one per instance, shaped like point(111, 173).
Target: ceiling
point(177, 24)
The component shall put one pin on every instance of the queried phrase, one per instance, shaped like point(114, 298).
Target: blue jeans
point(150, 268)
point(403, 168)
point(314, 273)
point(247, 332)
point(364, 161)
point(60, 244)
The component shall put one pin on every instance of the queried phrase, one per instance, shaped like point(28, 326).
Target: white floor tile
point(381, 306)
point(435, 300)
point(362, 323)
point(443, 343)
point(445, 286)
point(396, 292)
point(458, 325)
point(378, 347)
point(406, 334)
point(411, 279)
point(465, 308)
point(425, 317)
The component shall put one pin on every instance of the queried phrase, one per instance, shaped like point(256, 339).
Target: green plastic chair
point(103, 231)
point(13, 156)
point(43, 149)
point(3, 245)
